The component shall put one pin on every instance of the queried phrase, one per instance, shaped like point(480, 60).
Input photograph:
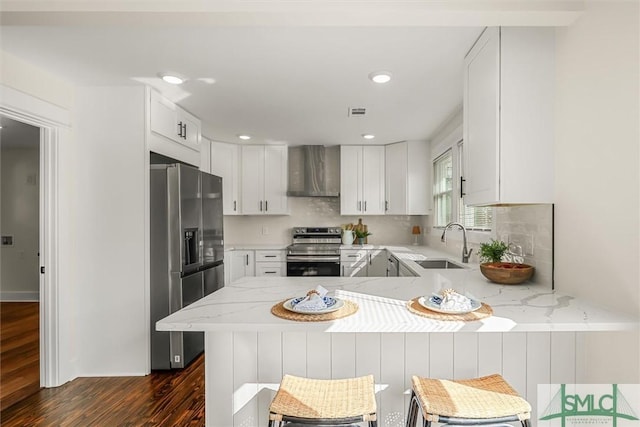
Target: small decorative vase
point(361, 240)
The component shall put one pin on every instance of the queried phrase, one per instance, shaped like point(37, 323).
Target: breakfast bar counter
point(535, 336)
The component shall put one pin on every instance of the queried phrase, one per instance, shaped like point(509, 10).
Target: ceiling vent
point(357, 111)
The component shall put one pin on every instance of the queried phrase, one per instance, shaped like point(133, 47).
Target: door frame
point(52, 120)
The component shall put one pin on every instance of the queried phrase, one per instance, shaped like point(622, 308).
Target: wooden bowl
point(506, 273)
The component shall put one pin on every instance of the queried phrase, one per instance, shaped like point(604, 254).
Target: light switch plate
point(7, 240)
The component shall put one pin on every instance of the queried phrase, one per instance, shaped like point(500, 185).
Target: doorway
point(20, 194)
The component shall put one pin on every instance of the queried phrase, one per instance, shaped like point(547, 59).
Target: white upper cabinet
point(173, 131)
point(264, 180)
point(225, 162)
point(173, 122)
point(362, 180)
point(408, 178)
point(508, 117)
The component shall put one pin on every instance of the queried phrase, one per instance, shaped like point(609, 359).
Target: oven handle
point(313, 259)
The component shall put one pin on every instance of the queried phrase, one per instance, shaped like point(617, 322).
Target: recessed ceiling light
point(244, 137)
point(368, 136)
point(172, 78)
point(380, 76)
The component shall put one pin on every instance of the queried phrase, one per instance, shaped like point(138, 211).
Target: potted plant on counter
point(361, 235)
point(493, 268)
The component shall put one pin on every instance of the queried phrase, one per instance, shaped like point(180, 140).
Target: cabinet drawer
point(350, 255)
point(270, 256)
point(275, 269)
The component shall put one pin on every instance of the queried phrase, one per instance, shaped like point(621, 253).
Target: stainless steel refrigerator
point(187, 250)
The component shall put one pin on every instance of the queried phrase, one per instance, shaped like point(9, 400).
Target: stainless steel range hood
point(314, 171)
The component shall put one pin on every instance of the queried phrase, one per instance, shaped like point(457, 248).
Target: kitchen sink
point(438, 263)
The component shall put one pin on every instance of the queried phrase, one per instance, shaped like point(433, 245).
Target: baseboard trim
point(19, 296)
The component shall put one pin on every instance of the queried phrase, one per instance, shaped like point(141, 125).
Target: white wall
point(111, 158)
point(27, 78)
point(44, 89)
point(597, 178)
point(19, 280)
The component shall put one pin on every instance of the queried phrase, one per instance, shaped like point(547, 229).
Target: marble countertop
point(245, 305)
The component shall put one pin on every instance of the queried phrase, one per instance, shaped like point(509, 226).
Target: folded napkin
point(453, 301)
point(314, 300)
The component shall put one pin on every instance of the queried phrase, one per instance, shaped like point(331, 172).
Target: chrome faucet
point(465, 253)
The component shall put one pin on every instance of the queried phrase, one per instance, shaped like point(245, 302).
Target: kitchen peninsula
point(535, 336)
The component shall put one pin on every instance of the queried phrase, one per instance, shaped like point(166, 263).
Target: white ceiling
point(276, 82)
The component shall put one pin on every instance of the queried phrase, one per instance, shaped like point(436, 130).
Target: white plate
point(428, 302)
point(333, 304)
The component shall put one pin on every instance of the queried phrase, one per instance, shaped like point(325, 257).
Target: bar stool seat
point(337, 402)
point(480, 401)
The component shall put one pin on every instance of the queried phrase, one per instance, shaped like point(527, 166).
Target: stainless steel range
point(315, 252)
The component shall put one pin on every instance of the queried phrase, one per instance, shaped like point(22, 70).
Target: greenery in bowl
point(492, 251)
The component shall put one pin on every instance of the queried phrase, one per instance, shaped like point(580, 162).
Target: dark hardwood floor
point(19, 351)
point(171, 398)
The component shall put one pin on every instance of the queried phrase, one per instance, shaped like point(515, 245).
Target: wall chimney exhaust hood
point(314, 171)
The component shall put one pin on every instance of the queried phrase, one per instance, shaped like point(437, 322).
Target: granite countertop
point(245, 305)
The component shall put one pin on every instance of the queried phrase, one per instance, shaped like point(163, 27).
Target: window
point(443, 189)
point(473, 218)
point(448, 204)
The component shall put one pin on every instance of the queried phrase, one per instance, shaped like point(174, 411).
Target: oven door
point(313, 266)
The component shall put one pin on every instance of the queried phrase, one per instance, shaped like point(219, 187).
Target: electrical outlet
point(7, 240)
point(176, 358)
point(265, 230)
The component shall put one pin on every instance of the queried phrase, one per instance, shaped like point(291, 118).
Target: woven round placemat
point(347, 309)
point(416, 308)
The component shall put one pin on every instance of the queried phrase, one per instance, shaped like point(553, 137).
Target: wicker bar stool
point(338, 402)
point(487, 400)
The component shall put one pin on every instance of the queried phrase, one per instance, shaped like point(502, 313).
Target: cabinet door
point(225, 163)
point(351, 180)
point(164, 116)
point(242, 265)
point(190, 135)
point(482, 120)
point(252, 181)
point(358, 269)
point(405, 272)
point(396, 178)
point(373, 180)
point(275, 179)
point(377, 263)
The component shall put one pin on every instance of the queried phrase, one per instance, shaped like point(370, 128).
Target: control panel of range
point(316, 234)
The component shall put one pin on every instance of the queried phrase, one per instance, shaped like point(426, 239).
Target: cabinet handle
point(234, 205)
point(269, 272)
point(260, 205)
point(369, 259)
point(266, 205)
point(386, 205)
point(462, 193)
point(247, 260)
point(180, 129)
point(270, 256)
point(343, 271)
point(359, 206)
point(352, 256)
point(184, 131)
point(365, 205)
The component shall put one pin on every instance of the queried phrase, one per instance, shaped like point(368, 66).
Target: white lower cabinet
point(363, 262)
point(403, 271)
point(270, 263)
point(242, 264)
point(353, 262)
